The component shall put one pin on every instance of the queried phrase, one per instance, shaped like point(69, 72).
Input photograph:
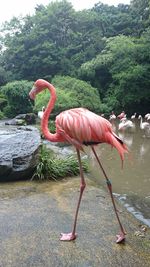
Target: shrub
point(3, 101)
point(71, 93)
point(17, 96)
point(2, 116)
point(52, 167)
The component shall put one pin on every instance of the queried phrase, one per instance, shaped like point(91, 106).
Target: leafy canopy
point(71, 93)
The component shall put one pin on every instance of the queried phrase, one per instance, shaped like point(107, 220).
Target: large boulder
point(22, 119)
point(29, 118)
point(19, 149)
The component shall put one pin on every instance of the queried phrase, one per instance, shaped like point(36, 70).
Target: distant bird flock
point(128, 125)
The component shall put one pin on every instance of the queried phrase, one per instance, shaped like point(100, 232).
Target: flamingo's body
point(80, 127)
point(121, 115)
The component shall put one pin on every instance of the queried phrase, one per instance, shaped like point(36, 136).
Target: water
point(131, 185)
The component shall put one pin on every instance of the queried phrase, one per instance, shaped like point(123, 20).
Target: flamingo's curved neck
point(44, 122)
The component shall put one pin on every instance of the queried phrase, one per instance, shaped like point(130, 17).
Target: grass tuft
point(53, 167)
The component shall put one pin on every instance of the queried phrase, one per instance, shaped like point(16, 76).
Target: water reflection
point(127, 138)
point(132, 184)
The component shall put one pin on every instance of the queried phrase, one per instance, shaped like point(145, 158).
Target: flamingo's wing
point(83, 125)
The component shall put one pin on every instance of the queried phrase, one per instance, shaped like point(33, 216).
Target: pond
point(131, 185)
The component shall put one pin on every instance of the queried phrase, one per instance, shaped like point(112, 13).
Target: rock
point(29, 118)
point(22, 119)
point(19, 152)
point(21, 116)
point(15, 122)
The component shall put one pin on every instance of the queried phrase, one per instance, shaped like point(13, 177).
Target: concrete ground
point(32, 216)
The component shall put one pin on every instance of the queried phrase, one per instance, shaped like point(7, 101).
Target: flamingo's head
point(38, 86)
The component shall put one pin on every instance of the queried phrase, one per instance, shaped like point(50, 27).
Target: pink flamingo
point(80, 127)
point(121, 115)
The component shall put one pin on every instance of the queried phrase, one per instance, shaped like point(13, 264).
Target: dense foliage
point(121, 72)
point(52, 167)
point(106, 46)
point(71, 93)
point(17, 97)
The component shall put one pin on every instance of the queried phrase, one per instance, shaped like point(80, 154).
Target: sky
point(10, 8)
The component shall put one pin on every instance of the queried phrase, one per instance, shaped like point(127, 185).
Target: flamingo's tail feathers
point(116, 142)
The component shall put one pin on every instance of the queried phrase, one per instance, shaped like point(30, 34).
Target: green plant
point(3, 101)
point(52, 167)
point(71, 93)
point(52, 126)
point(16, 94)
point(2, 116)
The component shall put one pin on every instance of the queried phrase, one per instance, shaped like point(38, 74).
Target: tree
point(141, 8)
point(126, 61)
point(116, 20)
point(56, 40)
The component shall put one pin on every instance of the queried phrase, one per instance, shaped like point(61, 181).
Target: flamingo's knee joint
point(82, 186)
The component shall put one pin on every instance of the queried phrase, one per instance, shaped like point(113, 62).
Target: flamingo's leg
point(72, 235)
point(121, 235)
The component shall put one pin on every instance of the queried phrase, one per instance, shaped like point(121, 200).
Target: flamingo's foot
point(68, 237)
point(120, 237)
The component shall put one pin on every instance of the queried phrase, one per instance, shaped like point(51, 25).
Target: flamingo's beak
point(32, 93)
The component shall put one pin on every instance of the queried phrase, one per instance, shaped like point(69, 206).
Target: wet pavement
point(34, 214)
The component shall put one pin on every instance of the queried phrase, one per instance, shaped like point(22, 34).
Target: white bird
point(40, 113)
point(148, 118)
point(112, 119)
point(112, 116)
point(126, 124)
point(147, 115)
point(133, 116)
point(145, 126)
